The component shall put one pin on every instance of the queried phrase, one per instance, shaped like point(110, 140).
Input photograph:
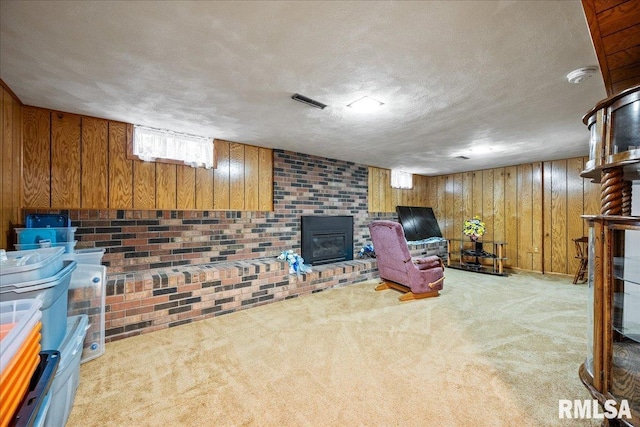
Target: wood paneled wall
point(567, 197)
point(615, 32)
point(534, 207)
point(383, 198)
point(10, 165)
point(81, 162)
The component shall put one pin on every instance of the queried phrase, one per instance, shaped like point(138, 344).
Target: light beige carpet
point(490, 351)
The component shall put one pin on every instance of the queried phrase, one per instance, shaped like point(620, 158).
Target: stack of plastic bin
point(40, 274)
point(63, 308)
point(43, 275)
point(46, 230)
point(20, 352)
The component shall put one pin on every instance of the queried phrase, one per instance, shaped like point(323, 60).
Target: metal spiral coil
point(611, 191)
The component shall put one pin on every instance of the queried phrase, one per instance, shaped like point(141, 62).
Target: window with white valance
point(401, 179)
point(150, 144)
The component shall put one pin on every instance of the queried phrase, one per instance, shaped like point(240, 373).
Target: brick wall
point(166, 268)
point(136, 240)
point(311, 185)
point(156, 299)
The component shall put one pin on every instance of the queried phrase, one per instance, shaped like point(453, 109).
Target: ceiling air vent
point(462, 157)
point(308, 101)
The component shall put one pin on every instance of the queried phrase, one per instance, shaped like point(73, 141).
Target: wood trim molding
point(589, 8)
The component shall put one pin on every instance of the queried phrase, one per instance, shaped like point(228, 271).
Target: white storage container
point(24, 266)
point(52, 291)
point(87, 293)
point(65, 383)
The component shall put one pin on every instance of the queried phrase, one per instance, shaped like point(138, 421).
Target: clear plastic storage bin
point(28, 265)
point(87, 293)
point(62, 234)
point(52, 291)
point(37, 236)
point(86, 256)
point(19, 352)
point(31, 238)
point(17, 319)
point(67, 246)
point(67, 379)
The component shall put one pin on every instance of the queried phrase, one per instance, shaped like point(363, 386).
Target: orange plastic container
point(5, 329)
point(16, 376)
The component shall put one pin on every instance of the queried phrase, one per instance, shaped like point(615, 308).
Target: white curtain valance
point(150, 144)
point(401, 179)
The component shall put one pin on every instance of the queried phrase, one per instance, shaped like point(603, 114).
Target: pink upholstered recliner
point(416, 277)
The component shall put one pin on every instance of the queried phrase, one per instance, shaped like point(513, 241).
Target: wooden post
point(611, 191)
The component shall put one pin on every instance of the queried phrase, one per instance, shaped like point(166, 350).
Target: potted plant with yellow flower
point(475, 229)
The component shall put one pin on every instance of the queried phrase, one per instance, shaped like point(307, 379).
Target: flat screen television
point(419, 223)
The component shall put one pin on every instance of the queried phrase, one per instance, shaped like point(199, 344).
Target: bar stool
point(582, 257)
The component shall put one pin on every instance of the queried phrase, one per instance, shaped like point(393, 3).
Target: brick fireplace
point(326, 239)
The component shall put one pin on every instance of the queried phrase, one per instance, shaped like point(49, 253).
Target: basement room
point(320, 213)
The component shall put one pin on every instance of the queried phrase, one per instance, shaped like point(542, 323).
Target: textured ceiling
point(482, 79)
